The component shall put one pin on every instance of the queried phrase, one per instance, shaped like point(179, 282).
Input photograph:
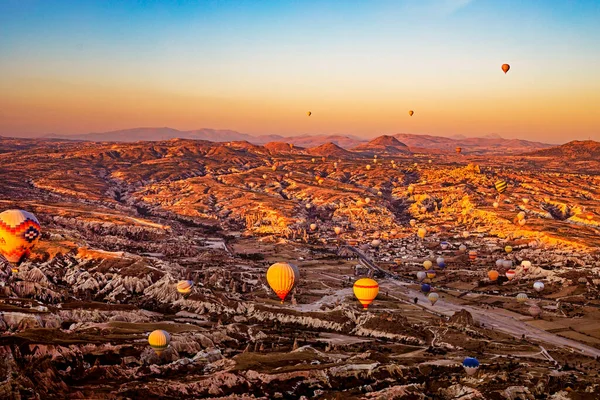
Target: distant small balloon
point(505, 68)
point(411, 112)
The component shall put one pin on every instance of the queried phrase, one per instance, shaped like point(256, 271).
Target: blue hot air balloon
point(425, 288)
point(444, 245)
point(471, 365)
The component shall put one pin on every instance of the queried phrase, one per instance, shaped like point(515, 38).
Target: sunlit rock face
point(124, 223)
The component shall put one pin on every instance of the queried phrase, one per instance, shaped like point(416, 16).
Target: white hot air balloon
point(421, 275)
point(538, 286)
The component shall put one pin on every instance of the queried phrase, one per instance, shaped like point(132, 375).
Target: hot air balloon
point(473, 255)
point(538, 286)
point(522, 222)
point(422, 232)
point(507, 263)
point(421, 275)
point(312, 160)
point(431, 273)
point(525, 200)
point(521, 297)
point(495, 204)
point(411, 189)
point(368, 167)
point(379, 193)
point(308, 113)
point(365, 290)
point(462, 248)
point(274, 167)
point(534, 310)
point(313, 227)
point(427, 264)
point(19, 232)
point(493, 275)
point(281, 277)
point(308, 206)
point(367, 200)
point(159, 340)
point(423, 209)
point(264, 176)
point(465, 234)
point(521, 216)
point(444, 245)
point(505, 68)
point(471, 365)
point(433, 298)
point(499, 263)
point(413, 222)
point(375, 243)
point(508, 249)
point(458, 150)
point(425, 288)
point(589, 216)
point(501, 186)
point(510, 274)
point(440, 261)
point(411, 112)
point(526, 265)
point(338, 230)
point(185, 287)
point(393, 232)
point(335, 164)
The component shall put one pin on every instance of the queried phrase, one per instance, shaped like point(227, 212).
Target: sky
point(72, 67)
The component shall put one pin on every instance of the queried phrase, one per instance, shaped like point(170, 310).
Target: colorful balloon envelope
point(508, 249)
point(538, 286)
point(471, 365)
point(473, 255)
point(185, 287)
point(521, 216)
point(433, 298)
point(510, 274)
point(499, 263)
point(337, 230)
point(462, 248)
point(313, 227)
point(281, 277)
point(422, 232)
point(431, 274)
point(159, 340)
point(444, 245)
point(501, 186)
point(526, 265)
point(458, 150)
point(427, 264)
point(19, 233)
point(507, 263)
point(413, 222)
point(309, 113)
point(505, 68)
point(440, 261)
point(493, 275)
point(535, 311)
point(411, 112)
point(375, 243)
point(421, 275)
point(465, 234)
point(522, 297)
point(425, 288)
point(365, 290)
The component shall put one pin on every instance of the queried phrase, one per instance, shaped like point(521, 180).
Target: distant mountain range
point(492, 143)
point(576, 150)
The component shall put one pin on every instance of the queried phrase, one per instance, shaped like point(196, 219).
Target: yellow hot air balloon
point(281, 277)
point(501, 186)
point(159, 340)
point(427, 264)
point(422, 232)
point(309, 113)
point(521, 297)
point(365, 290)
point(505, 68)
point(411, 112)
point(313, 227)
point(338, 230)
point(19, 232)
point(508, 249)
point(185, 287)
point(413, 222)
point(433, 298)
point(367, 200)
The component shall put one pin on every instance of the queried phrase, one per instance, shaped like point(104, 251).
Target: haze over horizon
point(257, 67)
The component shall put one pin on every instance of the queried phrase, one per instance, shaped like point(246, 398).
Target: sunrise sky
point(258, 66)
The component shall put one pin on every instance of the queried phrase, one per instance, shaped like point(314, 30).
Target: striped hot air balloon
point(281, 277)
point(365, 290)
point(433, 298)
point(501, 186)
point(471, 365)
point(19, 232)
point(159, 340)
point(431, 274)
point(185, 287)
point(473, 255)
point(510, 274)
point(521, 297)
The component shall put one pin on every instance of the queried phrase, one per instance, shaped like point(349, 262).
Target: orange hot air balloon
point(19, 232)
point(281, 277)
point(505, 68)
point(411, 112)
point(185, 287)
point(473, 255)
point(493, 275)
point(458, 150)
point(159, 340)
point(365, 290)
